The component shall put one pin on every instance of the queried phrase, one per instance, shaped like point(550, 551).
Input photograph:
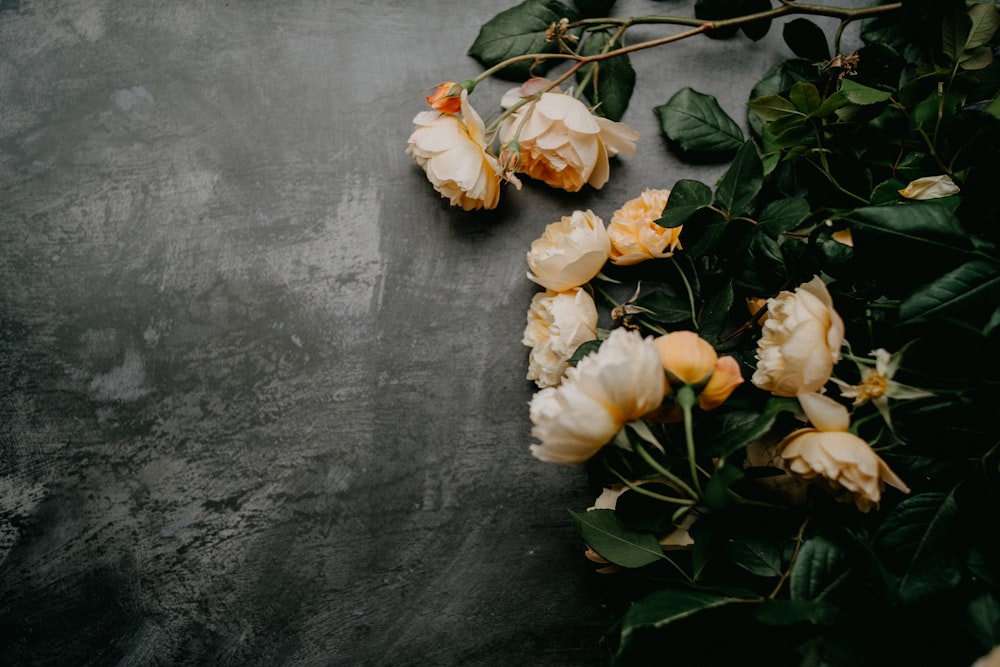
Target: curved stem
point(658, 467)
point(690, 292)
point(686, 399)
point(791, 561)
point(646, 492)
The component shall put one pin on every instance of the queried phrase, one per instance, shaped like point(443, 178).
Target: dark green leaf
point(610, 83)
point(615, 541)
point(702, 231)
point(664, 308)
point(983, 620)
point(964, 34)
point(715, 315)
point(973, 285)
point(644, 513)
point(782, 215)
point(697, 124)
point(773, 107)
point(714, 10)
point(818, 567)
point(584, 349)
point(686, 197)
point(742, 182)
point(779, 79)
point(669, 605)
point(805, 97)
point(519, 31)
point(735, 439)
point(755, 30)
point(757, 554)
point(806, 40)
point(918, 224)
point(786, 612)
point(716, 491)
point(920, 528)
point(594, 8)
point(858, 94)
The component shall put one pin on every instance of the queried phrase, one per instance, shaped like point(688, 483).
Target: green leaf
point(519, 31)
point(686, 197)
point(644, 513)
point(786, 612)
point(611, 83)
point(732, 440)
point(818, 567)
point(782, 215)
point(665, 308)
point(714, 315)
point(697, 124)
point(806, 39)
point(863, 95)
point(742, 182)
point(594, 8)
point(973, 284)
point(755, 30)
point(584, 349)
point(615, 541)
point(983, 620)
point(716, 490)
point(714, 10)
point(920, 528)
point(757, 554)
point(669, 605)
point(805, 97)
point(917, 224)
point(964, 35)
point(773, 107)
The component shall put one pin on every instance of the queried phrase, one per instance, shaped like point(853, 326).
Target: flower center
point(873, 385)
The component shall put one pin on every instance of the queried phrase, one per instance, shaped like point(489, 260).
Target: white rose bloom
point(619, 383)
point(800, 341)
point(570, 252)
point(451, 149)
point(558, 323)
point(561, 142)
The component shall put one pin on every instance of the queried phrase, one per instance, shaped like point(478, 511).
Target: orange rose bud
point(686, 356)
point(447, 98)
point(724, 380)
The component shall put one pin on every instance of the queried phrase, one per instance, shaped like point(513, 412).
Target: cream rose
point(620, 382)
point(845, 463)
point(451, 149)
point(558, 323)
point(635, 236)
point(561, 142)
point(930, 187)
point(800, 341)
point(570, 252)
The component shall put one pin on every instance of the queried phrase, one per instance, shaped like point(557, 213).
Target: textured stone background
point(261, 389)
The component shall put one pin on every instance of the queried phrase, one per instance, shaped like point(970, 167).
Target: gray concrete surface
point(262, 396)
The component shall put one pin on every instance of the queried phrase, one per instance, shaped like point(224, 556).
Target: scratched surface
point(262, 394)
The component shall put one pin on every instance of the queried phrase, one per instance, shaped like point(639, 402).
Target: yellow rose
point(800, 341)
point(635, 236)
point(558, 323)
point(725, 378)
point(451, 149)
point(561, 142)
point(570, 252)
point(845, 463)
point(687, 357)
point(620, 382)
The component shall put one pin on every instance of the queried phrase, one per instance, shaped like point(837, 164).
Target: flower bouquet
point(783, 385)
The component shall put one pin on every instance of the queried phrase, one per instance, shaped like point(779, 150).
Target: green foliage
point(697, 125)
point(517, 31)
point(608, 84)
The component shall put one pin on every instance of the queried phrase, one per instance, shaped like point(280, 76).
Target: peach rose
point(690, 359)
point(800, 341)
point(622, 381)
point(570, 252)
point(561, 142)
point(451, 149)
point(845, 463)
point(635, 236)
point(558, 323)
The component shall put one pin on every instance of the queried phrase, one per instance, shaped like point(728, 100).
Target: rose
point(570, 252)
point(845, 463)
point(635, 236)
point(689, 359)
point(451, 149)
point(558, 323)
point(620, 382)
point(446, 97)
point(800, 341)
point(560, 142)
point(930, 187)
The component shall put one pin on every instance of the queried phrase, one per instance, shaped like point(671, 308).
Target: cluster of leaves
point(833, 139)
